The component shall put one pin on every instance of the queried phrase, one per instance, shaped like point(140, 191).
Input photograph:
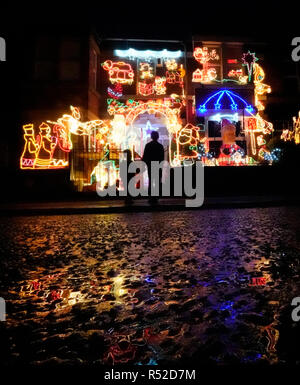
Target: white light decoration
point(133, 53)
point(219, 117)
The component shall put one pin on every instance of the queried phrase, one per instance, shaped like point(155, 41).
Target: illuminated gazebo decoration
point(225, 99)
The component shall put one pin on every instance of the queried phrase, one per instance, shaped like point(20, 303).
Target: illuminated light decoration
point(203, 56)
point(296, 127)
point(30, 148)
point(119, 72)
point(72, 124)
point(173, 77)
point(117, 134)
point(295, 133)
point(260, 88)
point(263, 153)
point(152, 107)
point(232, 61)
point(231, 154)
point(187, 140)
point(116, 107)
point(105, 173)
point(46, 145)
point(181, 71)
point(237, 102)
point(235, 73)
point(145, 54)
point(63, 138)
point(260, 140)
point(171, 65)
point(116, 92)
point(218, 117)
point(249, 60)
point(146, 71)
point(145, 89)
point(257, 124)
point(160, 85)
point(286, 135)
point(204, 76)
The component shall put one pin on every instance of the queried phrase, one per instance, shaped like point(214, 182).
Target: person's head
point(154, 136)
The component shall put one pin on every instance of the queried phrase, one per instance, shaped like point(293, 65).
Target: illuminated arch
point(171, 114)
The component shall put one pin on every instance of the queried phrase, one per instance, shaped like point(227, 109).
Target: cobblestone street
point(209, 286)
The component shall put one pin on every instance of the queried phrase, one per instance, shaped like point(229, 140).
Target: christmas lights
point(249, 60)
point(160, 85)
point(30, 148)
point(146, 54)
point(115, 92)
point(171, 65)
point(260, 88)
point(145, 89)
point(119, 72)
point(146, 71)
point(203, 56)
point(204, 76)
point(235, 102)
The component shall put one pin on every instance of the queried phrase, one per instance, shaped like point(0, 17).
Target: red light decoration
point(232, 61)
point(116, 92)
point(235, 73)
point(119, 72)
point(145, 89)
point(203, 56)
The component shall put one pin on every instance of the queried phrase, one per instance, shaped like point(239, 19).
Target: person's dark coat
point(153, 151)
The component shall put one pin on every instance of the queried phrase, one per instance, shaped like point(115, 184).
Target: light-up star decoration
point(248, 60)
point(216, 101)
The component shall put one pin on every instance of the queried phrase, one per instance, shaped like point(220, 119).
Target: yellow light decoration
point(106, 174)
point(286, 135)
point(297, 129)
point(119, 72)
point(30, 148)
point(160, 85)
point(259, 87)
point(118, 132)
point(47, 144)
point(204, 76)
point(146, 71)
point(171, 64)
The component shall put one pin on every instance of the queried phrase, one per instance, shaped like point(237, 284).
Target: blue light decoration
point(144, 54)
point(236, 102)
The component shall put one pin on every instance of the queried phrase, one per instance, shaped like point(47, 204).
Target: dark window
point(214, 129)
point(238, 129)
point(214, 147)
point(242, 144)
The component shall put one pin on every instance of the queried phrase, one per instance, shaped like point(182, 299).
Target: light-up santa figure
point(230, 153)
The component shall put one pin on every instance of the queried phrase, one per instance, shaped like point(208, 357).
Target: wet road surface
point(209, 287)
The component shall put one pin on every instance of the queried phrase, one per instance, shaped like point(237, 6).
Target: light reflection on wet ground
point(151, 288)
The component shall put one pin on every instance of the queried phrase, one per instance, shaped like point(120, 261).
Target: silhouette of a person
point(154, 151)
